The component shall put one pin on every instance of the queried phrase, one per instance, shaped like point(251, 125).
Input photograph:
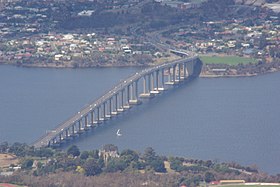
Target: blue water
point(228, 119)
point(36, 100)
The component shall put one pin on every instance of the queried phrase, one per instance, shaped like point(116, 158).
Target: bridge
point(130, 92)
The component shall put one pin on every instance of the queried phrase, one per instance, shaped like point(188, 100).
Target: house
point(109, 151)
point(58, 57)
point(6, 173)
point(127, 51)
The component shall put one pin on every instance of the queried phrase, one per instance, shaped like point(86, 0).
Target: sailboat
point(118, 132)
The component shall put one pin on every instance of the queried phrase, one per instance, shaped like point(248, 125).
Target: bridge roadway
point(46, 140)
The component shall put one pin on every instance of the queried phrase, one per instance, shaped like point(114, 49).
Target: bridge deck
point(44, 140)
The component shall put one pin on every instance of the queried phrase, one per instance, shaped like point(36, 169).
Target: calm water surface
point(233, 119)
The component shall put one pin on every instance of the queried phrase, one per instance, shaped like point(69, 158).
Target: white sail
point(118, 132)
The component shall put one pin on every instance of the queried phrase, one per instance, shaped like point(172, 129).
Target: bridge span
point(129, 92)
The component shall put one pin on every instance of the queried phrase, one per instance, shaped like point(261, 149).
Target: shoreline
point(226, 76)
point(202, 74)
point(70, 66)
point(79, 67)
point(208, 75)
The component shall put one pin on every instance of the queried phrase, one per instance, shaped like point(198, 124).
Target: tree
point(129, 155)
point(80, 170)
point(84, 155)
point(208, 177)
point(94, 154)
point(152, 160)
point(92, 168)
point(110, 147)
point(19, 149)
point(4, 147)
point(176, 164)
point(149, 154)
point(158, 164)
point(73, 150)
point(27, 164)
point(116, 164)
point(44, 152)
point(263, 41)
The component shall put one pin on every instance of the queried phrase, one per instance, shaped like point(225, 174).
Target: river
point(226, 119)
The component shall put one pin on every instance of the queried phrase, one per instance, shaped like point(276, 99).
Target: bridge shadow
point(147, 104)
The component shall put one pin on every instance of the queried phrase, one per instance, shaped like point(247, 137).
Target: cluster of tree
point(108, 160)
point(23, 150)
point(49, 162)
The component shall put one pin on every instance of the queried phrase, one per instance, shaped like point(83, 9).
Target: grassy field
point(230, 60)
point(7, 159)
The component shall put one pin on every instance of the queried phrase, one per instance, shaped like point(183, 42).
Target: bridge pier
point(126, 105)
point(73, 134)
point(162, 81)
point(119, 105)
point(147, 87)
point(102, 112)
point(122, 100)
point(86, 123)
point(185, 71)
point(109, 109)
point(98, 115)
point(134, 94)
point(170, 78)
point(154, 83)
point(179, 73)
point(66, 134)
point(80, 126)
point(190, 68)
point(91, 118)
point(115, 105)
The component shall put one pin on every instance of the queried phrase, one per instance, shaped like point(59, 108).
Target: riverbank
point(226, 76)
point(73, 66)
point(208, 70)
point(110, 64)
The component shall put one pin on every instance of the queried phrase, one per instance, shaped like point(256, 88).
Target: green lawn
point(230, 60)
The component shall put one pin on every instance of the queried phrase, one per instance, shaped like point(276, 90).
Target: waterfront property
point(122, 97)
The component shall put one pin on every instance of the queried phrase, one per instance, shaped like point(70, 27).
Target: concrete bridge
point(130, 92)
